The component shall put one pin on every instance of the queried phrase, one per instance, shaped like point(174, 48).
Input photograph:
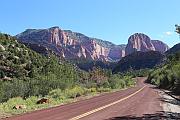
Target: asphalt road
point(136, 103)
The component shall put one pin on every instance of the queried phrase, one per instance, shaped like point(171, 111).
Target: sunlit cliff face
point(72, 45)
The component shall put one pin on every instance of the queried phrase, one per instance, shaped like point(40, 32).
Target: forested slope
point(168, 75)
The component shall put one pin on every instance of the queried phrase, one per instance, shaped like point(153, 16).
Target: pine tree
point(2, 75)
point(177, 30)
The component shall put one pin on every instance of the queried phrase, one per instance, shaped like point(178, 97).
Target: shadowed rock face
point(115, 53)
point(143, 43)
point(139, 60)
point(160, 46)
point(72, 45)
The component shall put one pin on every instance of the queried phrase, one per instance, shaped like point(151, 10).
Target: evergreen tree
point(177, 29)
point(2, 74)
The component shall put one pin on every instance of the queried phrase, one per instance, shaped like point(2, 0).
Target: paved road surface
point(136, 101)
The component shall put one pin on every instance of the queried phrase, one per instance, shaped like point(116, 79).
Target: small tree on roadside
point(2, 75)
point(177, 29)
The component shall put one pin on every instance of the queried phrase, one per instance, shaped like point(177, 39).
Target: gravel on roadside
point(171, 106)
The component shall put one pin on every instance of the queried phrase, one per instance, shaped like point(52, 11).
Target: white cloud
point(168, 33)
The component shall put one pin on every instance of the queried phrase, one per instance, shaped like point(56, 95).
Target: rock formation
point(160, 46)
point(72, 45)
point(141, 42)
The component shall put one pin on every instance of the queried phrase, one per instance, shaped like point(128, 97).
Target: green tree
point(177, 29)
point(2, 74)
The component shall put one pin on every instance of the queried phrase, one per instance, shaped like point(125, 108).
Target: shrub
point(168, 76)
point(92, 90)
point(2, 74)
point(31, 102)
point(8, 106)
point(118, 82)
point(128, 81)
point(57, 93)
point(101, 89)
point(74, 92)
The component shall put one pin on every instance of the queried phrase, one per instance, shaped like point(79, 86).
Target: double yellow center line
point(106, 106)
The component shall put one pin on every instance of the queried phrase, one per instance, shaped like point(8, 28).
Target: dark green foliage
point(173, 50)
point(139, 60)
point(103, 78)
point(2, 75)
point(30, 73)
point(88, 65)
point(177, 28)
point(138, 73)
point(168, 76)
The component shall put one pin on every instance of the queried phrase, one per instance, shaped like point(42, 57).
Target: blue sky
point(112, 20)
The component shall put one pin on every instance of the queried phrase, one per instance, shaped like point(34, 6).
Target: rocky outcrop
point(143, 43)
point(17, 107)
point(115, 52)
point(160, 46)
point(71, 45)
point(2, 48)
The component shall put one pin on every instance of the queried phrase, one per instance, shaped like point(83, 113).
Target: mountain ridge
point(74, 45)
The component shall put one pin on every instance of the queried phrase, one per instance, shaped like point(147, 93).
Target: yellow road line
point(103, 107)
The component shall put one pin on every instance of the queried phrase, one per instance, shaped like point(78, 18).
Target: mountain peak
point(142, 42)
point(55, 27)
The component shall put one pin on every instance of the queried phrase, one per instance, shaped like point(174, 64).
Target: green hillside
point(25, 73)
point(139, 60)
point(168, 75)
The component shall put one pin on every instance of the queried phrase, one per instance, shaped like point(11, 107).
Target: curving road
point(137, 101)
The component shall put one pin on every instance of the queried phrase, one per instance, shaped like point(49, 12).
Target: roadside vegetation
point(168, 76)
point(26, 77)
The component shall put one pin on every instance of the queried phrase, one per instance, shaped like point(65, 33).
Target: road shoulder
point(171, 106)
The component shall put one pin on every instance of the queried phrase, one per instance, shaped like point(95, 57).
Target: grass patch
point(56, 97)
